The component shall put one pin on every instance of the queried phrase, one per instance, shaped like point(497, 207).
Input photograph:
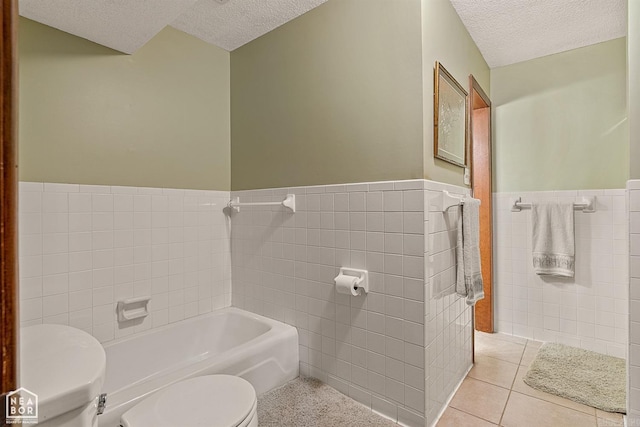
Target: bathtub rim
point(272, 323)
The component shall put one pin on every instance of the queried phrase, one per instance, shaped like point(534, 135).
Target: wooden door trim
point(474, 85)
point(8, 200)
point(483, 311)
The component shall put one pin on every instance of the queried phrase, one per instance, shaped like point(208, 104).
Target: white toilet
point(65, 368)
point(207, 401)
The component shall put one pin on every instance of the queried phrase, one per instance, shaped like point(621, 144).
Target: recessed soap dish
point(133, 308)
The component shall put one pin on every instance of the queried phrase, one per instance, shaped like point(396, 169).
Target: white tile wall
point(374, 348)
point(447, 317)
point(83, 248)
point(400, 350)
point(589, 311)
point(633, 392)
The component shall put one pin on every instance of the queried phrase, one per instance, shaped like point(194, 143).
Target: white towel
point(553, 239)
point(469, 273)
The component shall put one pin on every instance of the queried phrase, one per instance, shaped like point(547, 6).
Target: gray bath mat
point(310, 403)
point(583, 376)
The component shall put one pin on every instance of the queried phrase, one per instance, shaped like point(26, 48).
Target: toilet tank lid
point(63, 365)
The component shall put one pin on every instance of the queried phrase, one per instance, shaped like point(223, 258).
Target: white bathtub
point(229, 341)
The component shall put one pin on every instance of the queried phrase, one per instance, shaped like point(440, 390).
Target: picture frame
point(449, 118)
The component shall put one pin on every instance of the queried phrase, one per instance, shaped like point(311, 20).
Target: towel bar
point(289, 202)
point(587, 205)
point(445, 201)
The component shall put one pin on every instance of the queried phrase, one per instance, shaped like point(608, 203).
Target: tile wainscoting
point(403, 348)
point(633, 384)
point(590, 311)
point(84, 247)
point(448, 324)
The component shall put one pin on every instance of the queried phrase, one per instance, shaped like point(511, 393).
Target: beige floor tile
point(454, 418)
point(510, 338)
point(494, 371)
point(481, 399)
point(535, 344)
point(501, 337)
point(605, 422)
point(610, 416)
point(520, 386)
point(526, 411)
point(529, 354)
point(500, 349)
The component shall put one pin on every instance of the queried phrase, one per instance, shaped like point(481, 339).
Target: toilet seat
point(207, 401)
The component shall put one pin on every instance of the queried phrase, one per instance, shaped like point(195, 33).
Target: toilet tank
point(65, 368)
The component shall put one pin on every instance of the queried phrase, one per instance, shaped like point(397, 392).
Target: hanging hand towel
point(469, 274)
point(553, 239)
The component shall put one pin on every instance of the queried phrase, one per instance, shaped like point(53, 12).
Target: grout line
point(558, 405)
point(512, 383)
point(505, 408)
point(476, 415)
point(473, 415)
point(487, 382)
point(522, 355)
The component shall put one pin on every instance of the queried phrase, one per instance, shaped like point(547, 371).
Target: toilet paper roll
point(347, 285)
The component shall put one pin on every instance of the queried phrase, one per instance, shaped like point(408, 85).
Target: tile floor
point(495, 394)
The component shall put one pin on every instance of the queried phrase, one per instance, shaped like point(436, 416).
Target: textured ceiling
point(232, 24)
point(506, 31)
point(126, 25)
point(510, 31)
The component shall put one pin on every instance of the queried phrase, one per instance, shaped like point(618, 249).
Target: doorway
point(481, 185)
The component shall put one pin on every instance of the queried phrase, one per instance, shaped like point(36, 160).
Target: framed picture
point(449, 118)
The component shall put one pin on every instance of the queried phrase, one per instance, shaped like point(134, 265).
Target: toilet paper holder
point(363, 275)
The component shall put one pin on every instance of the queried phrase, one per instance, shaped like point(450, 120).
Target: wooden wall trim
point(8, 199)
point(474, 85)
point(481, 179)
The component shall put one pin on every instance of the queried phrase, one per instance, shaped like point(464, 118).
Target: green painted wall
point(91, 115)
point(560, 122)
point(633, 59)
point(445, 39)
point(334, 96)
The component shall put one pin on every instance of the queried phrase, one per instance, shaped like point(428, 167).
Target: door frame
point(8, 201)
point(479, 100)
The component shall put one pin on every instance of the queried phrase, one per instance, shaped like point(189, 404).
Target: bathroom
point(134, 138)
